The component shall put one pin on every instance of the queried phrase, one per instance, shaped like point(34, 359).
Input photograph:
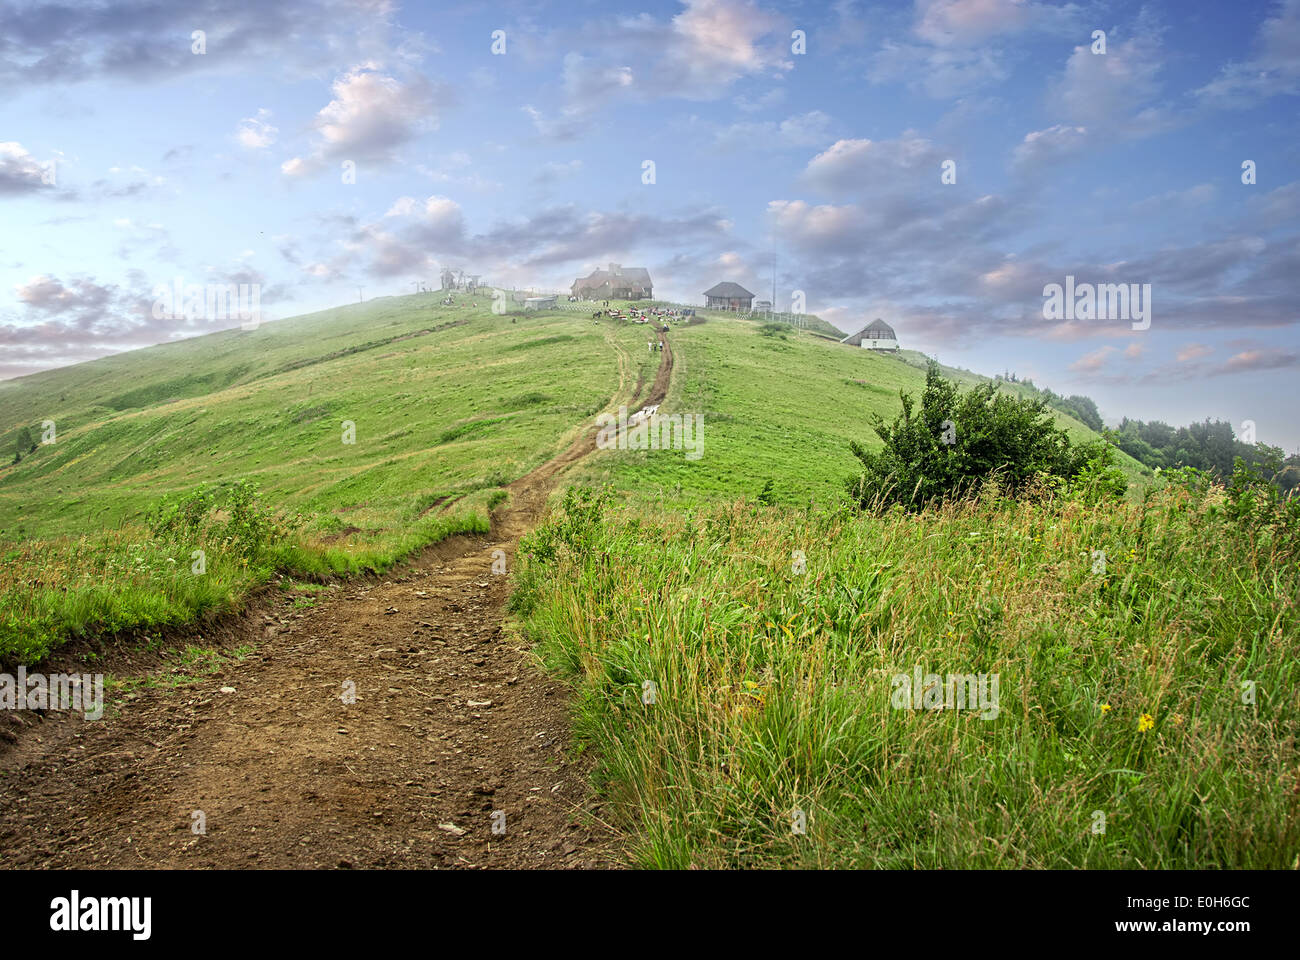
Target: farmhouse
point(728, 296)
point(616, 283)
point(877, 335)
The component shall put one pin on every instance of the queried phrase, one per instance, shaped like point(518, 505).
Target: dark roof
point(728, 289)
point(625, 276)
point(875, 326)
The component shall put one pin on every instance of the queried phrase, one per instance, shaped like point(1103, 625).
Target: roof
point(728, 289)
point(617, 276)
point(875, 326)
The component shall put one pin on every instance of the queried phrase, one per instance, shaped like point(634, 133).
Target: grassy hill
point(782, 407)
point(445, 405)
point(445, 400)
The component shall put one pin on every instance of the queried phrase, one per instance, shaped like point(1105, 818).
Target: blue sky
point(526, 166)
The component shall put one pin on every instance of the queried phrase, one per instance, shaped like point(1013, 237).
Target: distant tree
point(1210, 446)
point(1084, 409)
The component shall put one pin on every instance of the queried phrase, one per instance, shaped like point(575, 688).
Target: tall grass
point(137, 577)
point(1125, 680)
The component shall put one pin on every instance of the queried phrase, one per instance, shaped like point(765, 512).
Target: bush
point(249, 527)
point(574, 529)
point(1258, 505)
point(956, 443)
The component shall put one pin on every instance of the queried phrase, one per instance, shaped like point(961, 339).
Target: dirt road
point(455, 752)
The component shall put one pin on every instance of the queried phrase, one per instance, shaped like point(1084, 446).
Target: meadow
point(738, 669)
point(376, 429)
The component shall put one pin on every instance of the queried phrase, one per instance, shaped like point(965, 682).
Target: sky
point(937, 164)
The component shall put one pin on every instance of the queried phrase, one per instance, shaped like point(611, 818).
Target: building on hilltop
point(728, 296)
point(459, 280)
point(877, 335)
point(616, 283)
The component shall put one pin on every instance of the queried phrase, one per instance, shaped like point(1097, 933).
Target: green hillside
point(445, 405)
point(444, 400)
point(781, 407)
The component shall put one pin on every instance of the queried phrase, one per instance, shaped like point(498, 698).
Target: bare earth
point(454, 732)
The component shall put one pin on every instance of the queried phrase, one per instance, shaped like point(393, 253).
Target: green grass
point(445, 407)
point(778, 408)
point(773, 683)
point(276, 414)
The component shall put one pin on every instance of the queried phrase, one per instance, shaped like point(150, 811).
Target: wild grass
point(131, 579)
point(1147, 698)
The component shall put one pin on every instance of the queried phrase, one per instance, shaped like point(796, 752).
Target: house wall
point(879, 344)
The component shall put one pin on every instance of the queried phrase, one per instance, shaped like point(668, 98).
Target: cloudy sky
point(318, 146)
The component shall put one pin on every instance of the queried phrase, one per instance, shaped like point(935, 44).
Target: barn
point(616, 283)
point(728, 296)
point(877, 335)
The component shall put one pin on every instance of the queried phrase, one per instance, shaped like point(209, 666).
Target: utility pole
point(360, 298)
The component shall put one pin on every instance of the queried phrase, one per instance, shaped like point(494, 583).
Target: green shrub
point(957, 443)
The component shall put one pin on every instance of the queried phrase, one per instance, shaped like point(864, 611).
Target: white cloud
point(854, 165)
point(1041, 148)
point(255, 133)
point(372, 114)
point(948, 23)
point(716, 42)
point(1115, 92)
point(1093, 362)
point(802, 130)
point(20, 172)
point(1193, 351)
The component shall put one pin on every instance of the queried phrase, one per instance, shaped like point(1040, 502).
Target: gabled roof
point(626, 276)
point(728, 289)
point(875, 326)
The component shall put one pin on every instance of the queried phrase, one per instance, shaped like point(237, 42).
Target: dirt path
point(454, 735)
